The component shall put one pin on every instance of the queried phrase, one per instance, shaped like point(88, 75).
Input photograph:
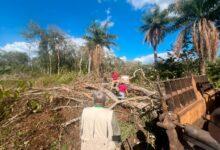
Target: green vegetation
point(213, 71)
point(127, 130)
point(60, 61)
point(34, 106)
point(154, 26)
point(97, 38)
point(196, 20)
point(13, 62)
point(64, 78)
point(10, 93)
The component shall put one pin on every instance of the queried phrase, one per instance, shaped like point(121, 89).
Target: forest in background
point(29, 82)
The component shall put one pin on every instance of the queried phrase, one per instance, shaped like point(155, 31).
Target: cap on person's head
point(99, 98)
point(124, 79)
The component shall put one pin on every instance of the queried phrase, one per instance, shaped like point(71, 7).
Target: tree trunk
point(80, 64)
point(101, 62)
point(50, 65)
point(155, 55)
point(96, 60)
point(202, 68)
point(29, 59)
point(58, 62)
point(89, 62)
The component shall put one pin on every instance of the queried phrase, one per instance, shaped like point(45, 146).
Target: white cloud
point(32, 48)
point(139, 4)
point(77, 41)
point(148, 59)
point(107, 22)
point(109, 52)
point(124, 58)
point(29, 48)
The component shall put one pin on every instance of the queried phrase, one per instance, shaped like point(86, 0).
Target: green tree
point(98, 38)
point(154, 26)
point(57, 45)
point(35, 32)
point(13, 61)
point(213, 71)
point(52, 43)
point(197, 18)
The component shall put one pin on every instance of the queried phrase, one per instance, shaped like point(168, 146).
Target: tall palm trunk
point(156, 61)
point(96, 60)
point(155, 55)
point(100, 60)
point(202, 68)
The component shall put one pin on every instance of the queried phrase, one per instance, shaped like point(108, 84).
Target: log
point(141, 89)
point(106, 91)
point(71, 98)
point(83, 93)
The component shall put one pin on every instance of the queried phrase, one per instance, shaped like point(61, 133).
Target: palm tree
point(197, 17)
point(97, 38)
point(154, 26)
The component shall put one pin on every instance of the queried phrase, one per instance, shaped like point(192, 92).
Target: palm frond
point(195, 38)
point(179, 42)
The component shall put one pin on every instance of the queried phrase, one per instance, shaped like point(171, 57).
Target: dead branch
point(144, 76)
point(14, 118)
point(36, 91)
point(70, 122)
point(87, 95)
point(141, 89)
point(71, 98)
point(83, 93)
point(107, 92)
point(138, 98)
point(63, 107)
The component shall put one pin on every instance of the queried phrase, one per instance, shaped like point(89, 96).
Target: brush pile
point(48, 117)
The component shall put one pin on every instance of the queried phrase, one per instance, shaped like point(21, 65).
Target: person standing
point(115, 77)
point(123, 86)
point(99, 128)
point(123, 90)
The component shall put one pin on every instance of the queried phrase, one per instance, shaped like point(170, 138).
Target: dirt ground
point(43, 130)
point(36, 120)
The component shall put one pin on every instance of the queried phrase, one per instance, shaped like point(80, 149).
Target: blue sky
point(74, 16)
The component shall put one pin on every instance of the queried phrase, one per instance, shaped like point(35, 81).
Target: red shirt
point(115, 75)
point(122, 87)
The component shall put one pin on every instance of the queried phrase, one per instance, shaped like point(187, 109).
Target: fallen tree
point(68, 101)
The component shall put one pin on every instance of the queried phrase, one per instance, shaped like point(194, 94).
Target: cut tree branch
point(70, 122)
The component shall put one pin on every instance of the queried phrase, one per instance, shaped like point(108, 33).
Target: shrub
point(213, 72)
